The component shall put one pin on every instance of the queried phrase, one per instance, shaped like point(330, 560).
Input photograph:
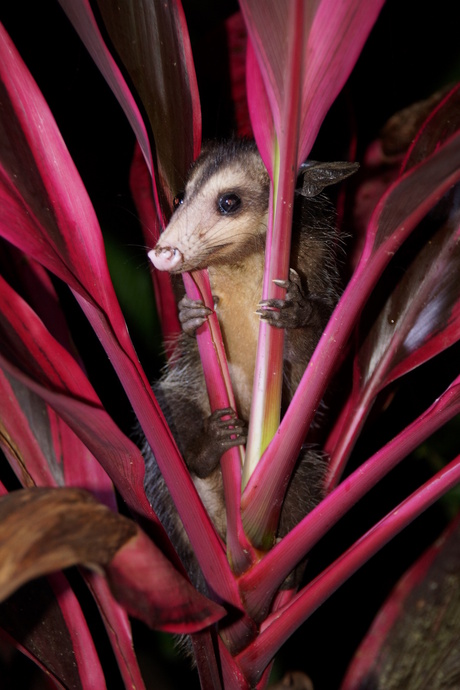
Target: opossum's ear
point(316, 175)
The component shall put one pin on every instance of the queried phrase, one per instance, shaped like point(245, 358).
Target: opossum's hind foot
point(192, 314)
point(292, 312)
point(223, 430)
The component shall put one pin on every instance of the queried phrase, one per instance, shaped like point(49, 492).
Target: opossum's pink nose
point(166, 258)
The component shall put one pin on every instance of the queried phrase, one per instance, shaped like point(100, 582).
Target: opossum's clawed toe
point(292, 312)
point(166, 258)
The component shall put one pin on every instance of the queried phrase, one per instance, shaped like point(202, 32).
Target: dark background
point(412, 51)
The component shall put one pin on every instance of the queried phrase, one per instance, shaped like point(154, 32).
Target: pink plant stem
point(220, 393)
point(278, 627)
point(281, 560)
point(205, 540)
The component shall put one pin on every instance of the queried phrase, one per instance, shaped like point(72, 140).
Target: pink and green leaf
point(296, 44)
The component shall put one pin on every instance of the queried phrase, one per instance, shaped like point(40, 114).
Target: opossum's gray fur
point(181, 390)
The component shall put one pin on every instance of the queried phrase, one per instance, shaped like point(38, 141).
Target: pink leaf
point(57, 225)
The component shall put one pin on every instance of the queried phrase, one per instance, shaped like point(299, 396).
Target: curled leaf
point(45, 530)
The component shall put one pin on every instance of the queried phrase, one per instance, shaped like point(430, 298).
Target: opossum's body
point(220, 223)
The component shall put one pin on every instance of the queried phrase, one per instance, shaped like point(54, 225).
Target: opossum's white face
point(223, 210)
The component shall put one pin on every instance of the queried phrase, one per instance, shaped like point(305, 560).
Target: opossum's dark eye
point(178, 200)
point(229, 203)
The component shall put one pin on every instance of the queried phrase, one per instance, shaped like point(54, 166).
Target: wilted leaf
point(45, 530)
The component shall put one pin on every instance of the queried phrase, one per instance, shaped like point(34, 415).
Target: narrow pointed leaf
point(118, 629)
point(82, 17)
point(141, 189)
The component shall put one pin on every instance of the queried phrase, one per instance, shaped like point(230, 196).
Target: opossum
point(220, 223)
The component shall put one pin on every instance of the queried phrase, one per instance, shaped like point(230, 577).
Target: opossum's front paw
point(292, 312)
point(192, 314)
point(223, 430)
point(226, 429)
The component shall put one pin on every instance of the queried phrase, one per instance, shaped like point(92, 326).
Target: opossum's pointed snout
point(166, 258)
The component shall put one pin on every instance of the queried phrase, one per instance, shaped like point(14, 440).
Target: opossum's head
point(222, 213)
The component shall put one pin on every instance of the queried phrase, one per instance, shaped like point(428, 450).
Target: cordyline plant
point(66, 451)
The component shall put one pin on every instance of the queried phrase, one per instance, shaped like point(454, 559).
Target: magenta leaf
point(32, 356)
point(140, 183)
point(166, 600)
point(118, 629)
point(333, 37)
point(82, 17)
